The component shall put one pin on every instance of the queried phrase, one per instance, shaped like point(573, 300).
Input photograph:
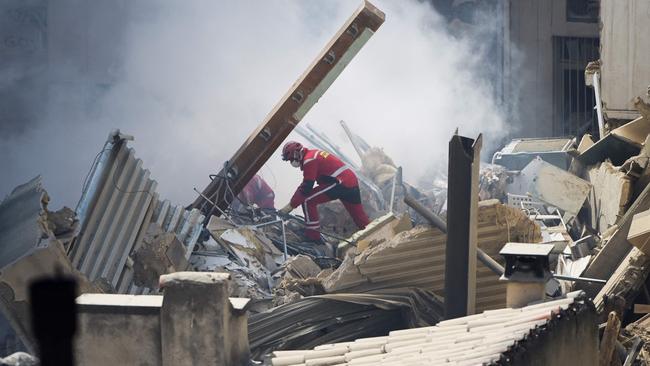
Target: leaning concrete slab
point(617, 247)
point(610, 197)
point(552, 185)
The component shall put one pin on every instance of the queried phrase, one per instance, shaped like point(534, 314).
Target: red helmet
point(292, 151)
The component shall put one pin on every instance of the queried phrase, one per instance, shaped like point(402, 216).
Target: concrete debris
point(551, 185)
point(520, 152)
point(622, 287)
point(611, 195)
point(493, 182)
point(298, 278)
point(19, 359)
point(641, 329)
point(318, 320)
point(619, 145)
point(573, 223)
point(160, 253)
point(382, 229)
point(416, 257)
point(639, 233)
point(63, 224)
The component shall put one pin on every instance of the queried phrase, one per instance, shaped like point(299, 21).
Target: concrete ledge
point(193, 278)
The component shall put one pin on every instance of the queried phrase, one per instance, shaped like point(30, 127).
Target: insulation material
point(378, 166)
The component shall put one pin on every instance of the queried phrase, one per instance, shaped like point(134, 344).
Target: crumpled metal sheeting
point(115, 210)
point(28, 251)
point(23, 222)
point(317, 320)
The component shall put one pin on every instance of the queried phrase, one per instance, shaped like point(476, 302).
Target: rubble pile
point(542, 251)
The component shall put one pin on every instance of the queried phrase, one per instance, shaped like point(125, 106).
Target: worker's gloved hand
point(285, 210)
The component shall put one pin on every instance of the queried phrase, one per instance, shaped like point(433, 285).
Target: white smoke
point(196, 77)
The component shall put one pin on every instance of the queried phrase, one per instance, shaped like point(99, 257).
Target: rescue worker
point(257, 192)
point(335, 181)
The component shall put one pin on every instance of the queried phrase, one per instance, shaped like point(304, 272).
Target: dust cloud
point(190, 80)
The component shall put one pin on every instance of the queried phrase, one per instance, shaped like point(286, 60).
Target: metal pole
point(355, 141)
point(579, 279)
point(599, 107)
point(490, 263)
point(284, 241)
point(426, 213)
point(392, 193)
point(436, 221)
point(462, 208)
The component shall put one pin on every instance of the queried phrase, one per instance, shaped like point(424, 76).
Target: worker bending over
point(335, 181)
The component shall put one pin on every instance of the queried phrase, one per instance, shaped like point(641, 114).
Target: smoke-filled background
point(192, 79)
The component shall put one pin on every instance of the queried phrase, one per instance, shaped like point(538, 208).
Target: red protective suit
point(335, 181)
point(258, 192)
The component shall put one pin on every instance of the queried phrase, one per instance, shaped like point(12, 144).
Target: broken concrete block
point(379, 230)
point(618, 146)
point(552, 185)
point(160, 253)
point(385, 232)
point(519, 152)
point(199, 324)
point(586, 142)
point(610, 197)
point(639, 234)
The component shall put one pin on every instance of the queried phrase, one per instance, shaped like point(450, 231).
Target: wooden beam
point(641, 308)
point(608, 343)
point(291, 109)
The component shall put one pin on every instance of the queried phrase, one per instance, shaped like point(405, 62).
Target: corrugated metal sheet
point(624, 54)
point(117, 206)
point(416, 258)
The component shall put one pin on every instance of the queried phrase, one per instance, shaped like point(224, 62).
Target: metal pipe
point(493, 265)
point(436, 221)
point(426, 213)
point(354, 140)
point(490, 263)
point(599, 107)
point(214, 205)
point(284, 241)
point(392, 193)
point(579, 279)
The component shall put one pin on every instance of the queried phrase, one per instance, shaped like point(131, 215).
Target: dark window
point(585, 11)
point(573, 101)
